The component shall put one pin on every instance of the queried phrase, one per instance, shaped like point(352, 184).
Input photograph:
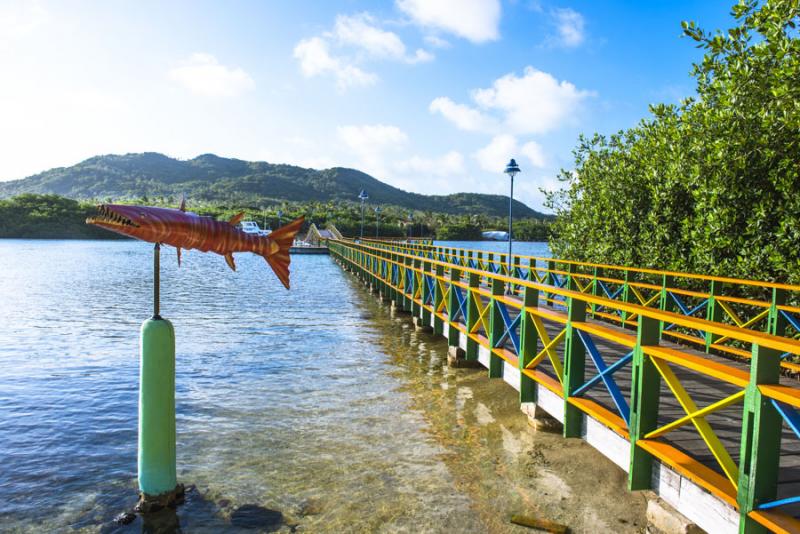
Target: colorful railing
point(757, 305)
point(501, 314)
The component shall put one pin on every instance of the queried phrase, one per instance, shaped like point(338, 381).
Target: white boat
point(496, 235)
point(251, 227)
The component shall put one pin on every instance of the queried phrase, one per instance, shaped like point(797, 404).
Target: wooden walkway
point(728, 443)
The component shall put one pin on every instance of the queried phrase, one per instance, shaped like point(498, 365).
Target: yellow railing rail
point(479, 307)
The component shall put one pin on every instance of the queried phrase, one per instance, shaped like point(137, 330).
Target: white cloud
point(21, 17)
point(475, 20)
point(535, 154)
point(360, 35)
point(204, 75)
point(494, 156)
point(360, 31)
point(464, 117)
point(372, 144)
point(570, 26)
point(534, 103)
point(448, 164)
point(436, 41)
point(315, 59)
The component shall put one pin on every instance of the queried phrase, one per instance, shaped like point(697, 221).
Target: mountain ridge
point(218, 179)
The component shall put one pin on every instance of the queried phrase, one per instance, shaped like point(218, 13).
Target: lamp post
point(377, 219)
point(512, 169)
point(362, 196)
point(410, 225)
point(280, 214)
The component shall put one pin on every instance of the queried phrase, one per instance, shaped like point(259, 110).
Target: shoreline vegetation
point(709, 185)
point(34, 216)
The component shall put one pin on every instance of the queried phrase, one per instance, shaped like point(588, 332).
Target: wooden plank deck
point(704, 390)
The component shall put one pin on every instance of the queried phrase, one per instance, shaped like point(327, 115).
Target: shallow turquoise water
point(316, 403)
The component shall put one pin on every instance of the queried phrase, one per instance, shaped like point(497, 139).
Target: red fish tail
point(279, 260)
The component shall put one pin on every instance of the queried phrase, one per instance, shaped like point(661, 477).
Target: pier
point(685, 381)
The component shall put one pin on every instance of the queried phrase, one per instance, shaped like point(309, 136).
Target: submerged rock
point(125, 518)
point(311, 506)
point(254, 516)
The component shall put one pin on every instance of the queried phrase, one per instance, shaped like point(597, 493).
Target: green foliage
point(710, 185)
point(209, 178)
point(52, 216)
point(459, 231)
point(48, 217)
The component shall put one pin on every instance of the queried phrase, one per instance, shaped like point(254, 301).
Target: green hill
point(215, 179)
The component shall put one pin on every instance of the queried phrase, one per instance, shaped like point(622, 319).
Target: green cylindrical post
point(496, 329)
point(157, 408)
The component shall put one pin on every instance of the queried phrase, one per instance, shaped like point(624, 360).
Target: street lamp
point(410, 225)
point(280, 214)
point(512, 169)
point(377, 218)
point(363, 196)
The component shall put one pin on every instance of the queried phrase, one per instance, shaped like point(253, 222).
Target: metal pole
point(156, 280)
point(377, 219)
point(510, 202)
point(362, 218)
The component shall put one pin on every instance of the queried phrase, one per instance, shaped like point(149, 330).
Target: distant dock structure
point(314, 242)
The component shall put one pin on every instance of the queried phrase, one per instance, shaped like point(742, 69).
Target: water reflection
point(314, 406)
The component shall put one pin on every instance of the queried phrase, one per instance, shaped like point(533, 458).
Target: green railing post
point(572, 285)
point(452, 307)
point(574, 366)
point(529, 345)
point(665, 303)
point(472, 316)
point(776, 323)
point(438, 297)
point(408, 298)
point(489, 262)
point(496, 330)
point(503, 264)
point(427, 296)
point(645, 391)
point(713, 312)
point(516, 273)
point(761, 440)
point(596, 273)
point(626, 296)
point(550, 280)
point(417, 285)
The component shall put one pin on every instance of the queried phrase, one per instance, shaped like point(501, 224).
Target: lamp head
point(512, 169)
point(363, 195)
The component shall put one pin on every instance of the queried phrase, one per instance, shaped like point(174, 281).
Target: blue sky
point(432, 96)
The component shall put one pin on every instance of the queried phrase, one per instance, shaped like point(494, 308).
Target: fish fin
point(183, 202)
point(179, 256)
point(229, 261)
point(279, 258)
point(236, 219)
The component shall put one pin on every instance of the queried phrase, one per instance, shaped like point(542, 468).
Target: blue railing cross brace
point(685, 310)
point(610, 295)
point(792, 419)
point(792, 320)
point(431, 288)
point(462, 303)
point(604, 373)
point(509, 326)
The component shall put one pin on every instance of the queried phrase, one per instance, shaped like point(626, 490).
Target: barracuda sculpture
point(158, 484)
point(186, 230)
